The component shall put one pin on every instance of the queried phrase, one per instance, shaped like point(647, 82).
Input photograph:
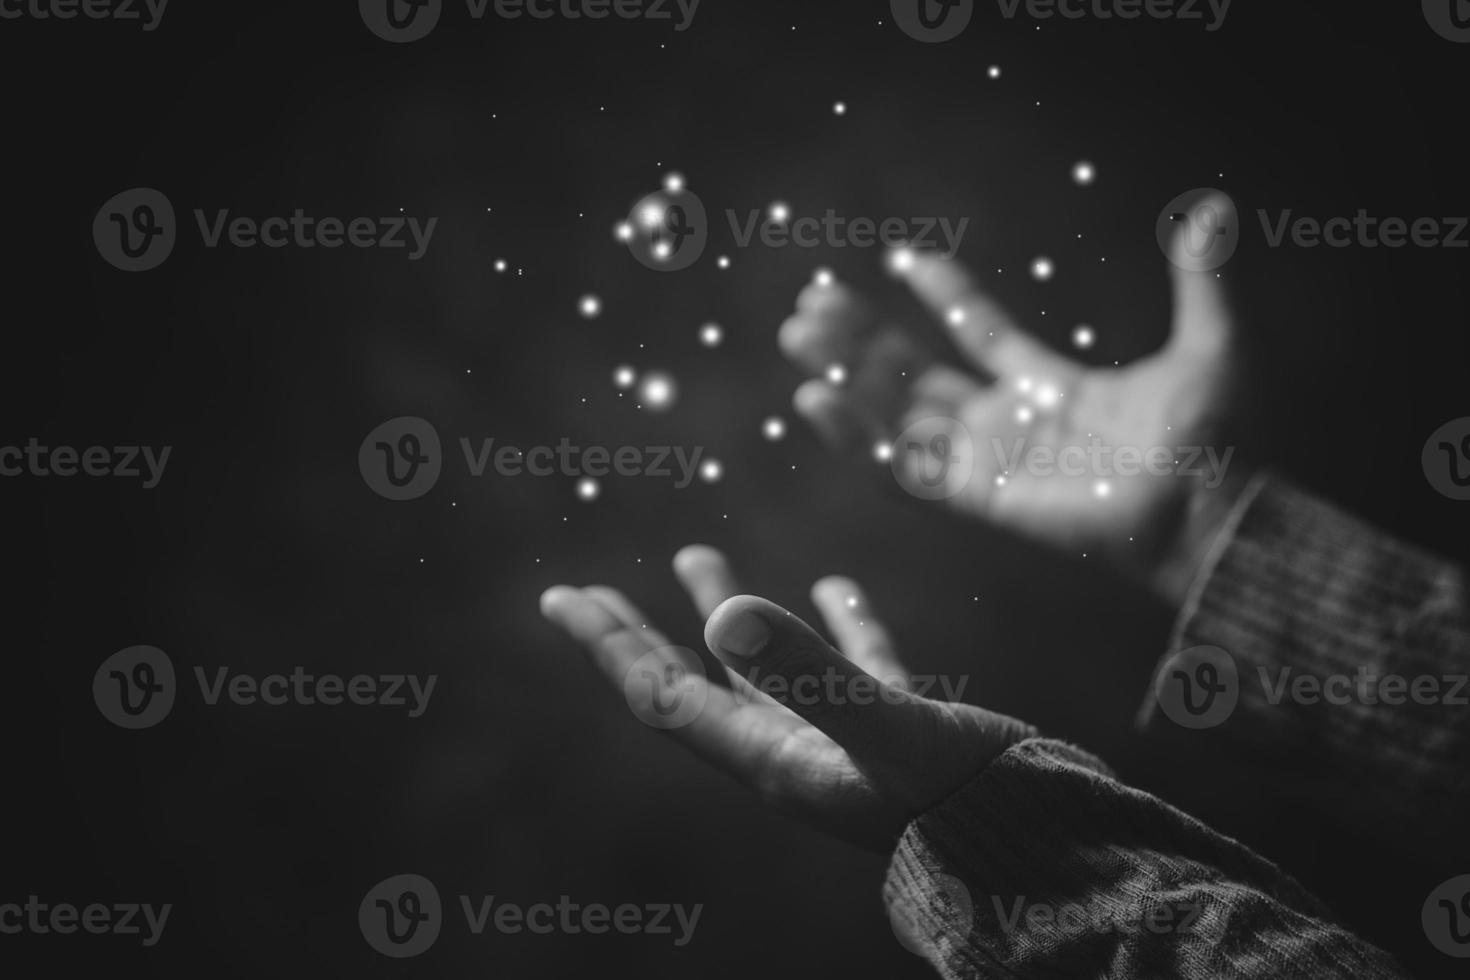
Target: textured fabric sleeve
point(1045, 866)
point(1351, 652)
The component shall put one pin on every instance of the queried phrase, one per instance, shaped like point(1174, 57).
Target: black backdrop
point(528, 779)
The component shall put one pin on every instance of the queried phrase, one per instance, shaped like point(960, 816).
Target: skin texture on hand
point(1018, 395)
point(813, 731)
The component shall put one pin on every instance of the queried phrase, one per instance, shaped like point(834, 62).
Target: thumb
point(915, 750)
point(1204, 236)
point(787, 659)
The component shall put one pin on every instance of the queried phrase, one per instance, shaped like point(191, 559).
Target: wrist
point(1196, 525)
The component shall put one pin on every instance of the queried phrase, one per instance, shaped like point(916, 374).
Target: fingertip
point(742, 626)
point(833, 589)
point(693, 557)
point(795, 335)
point(556, 600)
point(1220, 208)
point(822, 406)
point(818, 296)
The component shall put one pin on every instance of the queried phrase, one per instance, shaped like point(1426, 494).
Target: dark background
point(528, 778)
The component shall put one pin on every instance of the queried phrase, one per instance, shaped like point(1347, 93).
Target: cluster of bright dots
point(657, 390)
point(1043, 396)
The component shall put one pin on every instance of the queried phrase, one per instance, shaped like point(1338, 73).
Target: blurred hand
point(831, 743)
point(1021, 395)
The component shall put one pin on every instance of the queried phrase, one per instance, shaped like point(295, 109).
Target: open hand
point(812, 730)
point(1091, 425)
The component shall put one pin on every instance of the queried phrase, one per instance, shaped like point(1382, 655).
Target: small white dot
point(1083, 173)
point(723, 262)
point(589, 489)
point(590, 306)
point(1084, 337)
point(624, 376)
point(994, 71)
point(774, 428)
point(883, 452)
point(1042, 268)
point(674, 183)
point(823, 278)
point(1102, 489)
point(837, 374)
point(711, 335)
point(711, 471)
point(780, 212)
point(1024, 414)
point(500, 265)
